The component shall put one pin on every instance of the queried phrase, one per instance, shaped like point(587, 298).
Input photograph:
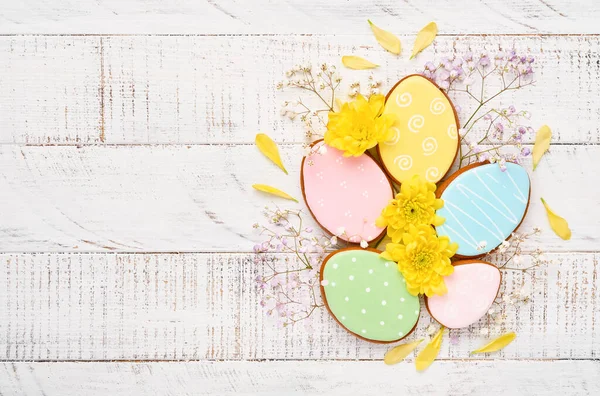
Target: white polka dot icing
point(371, 306)
point(425, 140)
point(484, 204)
point(339, 195)
point(472, 288)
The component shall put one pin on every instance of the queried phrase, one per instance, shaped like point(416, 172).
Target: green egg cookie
point(367, 295)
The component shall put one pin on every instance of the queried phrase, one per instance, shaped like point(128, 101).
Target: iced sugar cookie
point(472, 288)
point(367, 295)
point(483, 206)
point(347, 192)
point(426, 131)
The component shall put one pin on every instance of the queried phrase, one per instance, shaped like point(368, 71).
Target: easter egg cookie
point(367, 295)
point(425, 139)
point(345, 192)
point(472, 289)
point(483, 205)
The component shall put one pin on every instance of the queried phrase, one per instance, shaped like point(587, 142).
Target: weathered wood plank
point(196, 89)
point(207, 307)
point(300, 378)
point(199, 198)
point(262, 16)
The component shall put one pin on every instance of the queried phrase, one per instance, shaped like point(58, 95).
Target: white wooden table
point(126, 156)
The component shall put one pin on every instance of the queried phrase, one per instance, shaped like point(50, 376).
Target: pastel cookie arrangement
point(374, 294)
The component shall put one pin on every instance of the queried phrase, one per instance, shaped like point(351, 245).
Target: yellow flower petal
point(357, 63)
point(424, 38)
point(358, 126)
point(273, 191)
point(430, 352)
point(269, 148)
point(542, 144)
point(400, 352)
point(497, 344)
point(559, 225)
point(386, 39)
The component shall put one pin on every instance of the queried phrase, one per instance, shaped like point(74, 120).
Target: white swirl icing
point(432, 174)
point(452, 132)
point(404, 162)
point(430, 146)
point(404, 99)
point(415, 123)
point(395, 139)
point(437, 106)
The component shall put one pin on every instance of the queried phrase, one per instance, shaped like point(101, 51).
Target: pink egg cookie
point(472, 289)
point(345, 192)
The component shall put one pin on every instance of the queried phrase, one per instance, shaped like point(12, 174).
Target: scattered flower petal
point(430, 352)
point(400, 352)
point(424, 38)
point(268, 147)
point(273, 191)
point(559, 225)
point(357, 63)
point(387, 40)
point(497, 344)
point(542, 144)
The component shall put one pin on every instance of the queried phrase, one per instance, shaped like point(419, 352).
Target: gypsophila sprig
point(322, 84)
point(482, 79)
point(523, 265)
point(290, 282)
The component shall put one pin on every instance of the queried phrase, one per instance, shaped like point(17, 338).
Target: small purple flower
point(284, 241)
point(257, 248)
point(503, 168)
point(457, 108)
point(511, 109)
point(468, 57)
point(499, 127)
point(525, 151)
point(308, 230)
point(443, 75)
point(522, 130)
point(429, 66)
point(487, 117)
point(484, 61)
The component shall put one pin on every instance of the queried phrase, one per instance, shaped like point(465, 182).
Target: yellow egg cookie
point(426, 131)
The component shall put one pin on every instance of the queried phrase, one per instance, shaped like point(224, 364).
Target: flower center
point(422, 260)
point(411, 211)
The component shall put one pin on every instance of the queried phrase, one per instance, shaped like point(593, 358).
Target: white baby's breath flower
point(333, 240)
point(364, 244)
point(481, 245)
point(484, 331)
point(340, 231)
point(323, 149)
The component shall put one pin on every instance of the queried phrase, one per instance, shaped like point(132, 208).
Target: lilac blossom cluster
point(498, 132)
point(290, 282)
point(511, 67)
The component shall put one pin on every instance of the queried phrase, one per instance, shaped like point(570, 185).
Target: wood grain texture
point(578, 378)
point(296, 16)
point(199, 198)
point(196, 89)
point(207, 307)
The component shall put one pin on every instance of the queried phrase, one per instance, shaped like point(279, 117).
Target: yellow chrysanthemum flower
point(415, 204)
point(423, 259)
point(359, 125)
